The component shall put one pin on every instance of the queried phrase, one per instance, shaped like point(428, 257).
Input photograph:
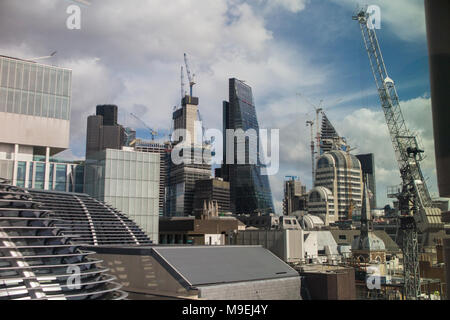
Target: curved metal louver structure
point(94, 222)
point(39, 262)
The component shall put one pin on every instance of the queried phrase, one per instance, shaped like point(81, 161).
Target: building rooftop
point(89, 220)
point(206, 265)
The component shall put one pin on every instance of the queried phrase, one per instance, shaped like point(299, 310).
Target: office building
point(130, 136)
point(249, 190)
point(340, 172)
point(35, 124)
point(128, 181)
point(103, 131)
point(162, 149)
point(215, 191)
point(321, 203)
point(368, 169)
point(182, 176)
point(294, 192)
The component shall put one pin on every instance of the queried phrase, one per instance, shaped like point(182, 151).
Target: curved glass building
point(249, 189)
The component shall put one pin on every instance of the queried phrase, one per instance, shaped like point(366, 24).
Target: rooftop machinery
point(416, 206)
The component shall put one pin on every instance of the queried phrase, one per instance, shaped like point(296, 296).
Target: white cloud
point(290, 5)
point(367, 130)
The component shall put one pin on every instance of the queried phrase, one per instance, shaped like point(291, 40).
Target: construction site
point(166, 222)
point(343, 202)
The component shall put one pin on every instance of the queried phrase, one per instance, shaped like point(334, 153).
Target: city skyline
point(269, 44)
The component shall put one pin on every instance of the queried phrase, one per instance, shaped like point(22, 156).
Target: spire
point(366, 216)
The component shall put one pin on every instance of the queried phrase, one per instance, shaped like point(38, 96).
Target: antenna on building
point(44, 57)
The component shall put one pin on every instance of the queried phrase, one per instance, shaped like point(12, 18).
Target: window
point(30, 176)
point(61, 177)
point(40, 175)
point(21, 169)
point(342, 237)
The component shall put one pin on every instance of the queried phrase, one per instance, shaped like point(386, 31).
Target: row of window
point(57, 173)
point(33, 77)
point(34, 104)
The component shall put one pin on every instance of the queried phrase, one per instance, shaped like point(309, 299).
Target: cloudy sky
point(290, 52)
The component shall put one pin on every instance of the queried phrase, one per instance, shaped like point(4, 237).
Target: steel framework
point(416, 206)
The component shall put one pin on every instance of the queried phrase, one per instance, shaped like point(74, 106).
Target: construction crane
point(311, 124)
point(190, 76)
point(183, 92)
point(417, 213)
point(153, 133)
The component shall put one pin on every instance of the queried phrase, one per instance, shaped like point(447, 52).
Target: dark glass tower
point(249, 190)
point(368, 169)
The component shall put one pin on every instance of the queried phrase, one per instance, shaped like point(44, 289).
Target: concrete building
point(249, 190)
point(368, 169)
point(103, 131)
point(266, 221)
point(321, 203)
point(35, 124)
point(294, 195)
point(340, 172)
point(182, 177)
point(285, 244)
point(321, 282)
point(201, 272)
point(128, 181)
point(213, 190)
point(189, 230)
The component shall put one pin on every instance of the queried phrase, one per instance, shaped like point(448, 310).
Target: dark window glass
point(40, 175)
point(21, 170)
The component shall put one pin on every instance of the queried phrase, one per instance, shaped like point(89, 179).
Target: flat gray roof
point(203, 265)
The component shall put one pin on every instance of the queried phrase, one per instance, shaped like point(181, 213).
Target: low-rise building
point(201, 272)
point(190, 230)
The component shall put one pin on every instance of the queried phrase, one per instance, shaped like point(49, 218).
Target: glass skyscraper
point(249, 189)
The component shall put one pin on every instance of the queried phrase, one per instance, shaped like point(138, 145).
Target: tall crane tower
point(153, 133)
point(417, 213)
point(190, 75)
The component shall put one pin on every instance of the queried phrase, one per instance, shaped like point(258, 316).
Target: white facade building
point(340, 172)
point(128, 181)
point(34, 125)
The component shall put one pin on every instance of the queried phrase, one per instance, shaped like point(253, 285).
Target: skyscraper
point(103, 131)
point(249, 189)
point(329, 138)
point(181, 177)
point(368, 169)
point(340, 172)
